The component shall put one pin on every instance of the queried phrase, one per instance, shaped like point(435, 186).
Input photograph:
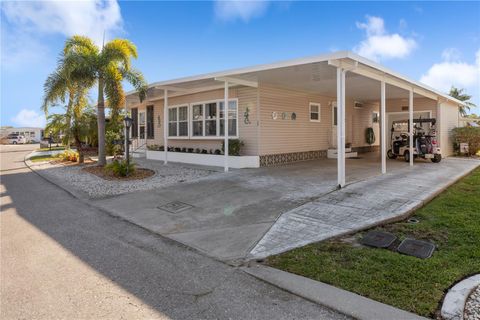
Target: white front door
point(333, 136)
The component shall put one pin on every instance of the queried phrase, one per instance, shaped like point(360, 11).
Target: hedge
point(470, 135)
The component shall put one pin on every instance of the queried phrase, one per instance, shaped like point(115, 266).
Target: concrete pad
point(346, 302)
point(361, 205)
point(227, 243)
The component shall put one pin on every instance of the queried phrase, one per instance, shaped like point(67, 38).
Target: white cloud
point(29, 118)
point(379, 44)
point(231, 10)
point(453, 71)
point(26, 23)
point(89, 18)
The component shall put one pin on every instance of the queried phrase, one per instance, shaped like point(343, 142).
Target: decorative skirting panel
point(283, 158)
point(366, 149)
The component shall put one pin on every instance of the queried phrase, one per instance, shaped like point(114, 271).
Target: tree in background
point(460, 95)
point(108, 66)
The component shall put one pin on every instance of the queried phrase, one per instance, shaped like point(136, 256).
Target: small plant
point(218, 152)
point(120, 168)
point(204, 151)
point(184, 149)
point(234, 147)
point(190, 150)
point(197, 150)
point(69, 155)
point(177, 149)
point(155, 147)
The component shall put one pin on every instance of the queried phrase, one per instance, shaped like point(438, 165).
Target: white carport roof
point(313, 74)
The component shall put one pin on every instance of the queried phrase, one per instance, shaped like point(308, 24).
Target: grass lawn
point(43, 158)
point(451, 221)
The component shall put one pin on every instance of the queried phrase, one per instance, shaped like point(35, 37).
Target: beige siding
point(247, 97)
point(448, 121)
point(284, 136)
point(419, 104)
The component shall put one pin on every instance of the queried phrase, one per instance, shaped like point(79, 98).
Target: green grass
point(451, 221)
point(43, 158)
point(53, 148)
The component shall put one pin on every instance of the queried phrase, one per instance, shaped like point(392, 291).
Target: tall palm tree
point(460, 95)
point(108, 66)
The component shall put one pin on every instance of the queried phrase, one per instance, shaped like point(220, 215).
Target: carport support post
point(410, 117)
point(165, 125)
point(383, 127)
point(225, 117)
point(341, 127)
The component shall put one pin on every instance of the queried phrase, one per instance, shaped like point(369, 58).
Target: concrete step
point(333, 153)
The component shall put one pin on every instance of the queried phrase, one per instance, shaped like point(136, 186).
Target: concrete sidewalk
point(361, 205)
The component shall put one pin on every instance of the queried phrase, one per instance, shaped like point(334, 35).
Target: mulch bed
point(138, 174)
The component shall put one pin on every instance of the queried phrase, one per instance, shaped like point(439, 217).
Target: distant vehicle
point(16, 139)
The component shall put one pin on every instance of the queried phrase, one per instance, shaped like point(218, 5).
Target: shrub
point(69, 155)
point(218, 151)
point(197, 150)
point(120, 168)
point(234, 147)
point(155, 147)
point(470, 135)
point(190, 150)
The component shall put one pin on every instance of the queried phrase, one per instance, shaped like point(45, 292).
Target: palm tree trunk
point(102, 159)
point(68, 117)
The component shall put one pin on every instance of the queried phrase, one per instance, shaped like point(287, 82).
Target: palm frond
point(113, 86)
point(136, 79)
point(80, 44)
point(121, 51)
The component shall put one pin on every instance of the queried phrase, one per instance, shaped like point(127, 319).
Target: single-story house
point(301, 109)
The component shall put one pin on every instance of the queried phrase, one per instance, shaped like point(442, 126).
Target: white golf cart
point(424, 139)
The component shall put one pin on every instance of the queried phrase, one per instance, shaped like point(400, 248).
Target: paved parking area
point(257, 212)
point(361, 205)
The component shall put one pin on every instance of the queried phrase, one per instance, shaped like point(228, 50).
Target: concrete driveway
point(242, 214)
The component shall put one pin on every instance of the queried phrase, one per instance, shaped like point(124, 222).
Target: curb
point(453, 306)
point(345, 302)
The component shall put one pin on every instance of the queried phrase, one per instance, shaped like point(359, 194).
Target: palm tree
point(108, 66)
point(460, 95)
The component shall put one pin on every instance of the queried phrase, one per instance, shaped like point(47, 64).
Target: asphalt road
point(63, 259)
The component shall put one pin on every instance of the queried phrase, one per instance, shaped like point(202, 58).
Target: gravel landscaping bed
point(96, 187)
point(472, 307)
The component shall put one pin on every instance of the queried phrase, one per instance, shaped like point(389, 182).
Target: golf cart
point(424, 139)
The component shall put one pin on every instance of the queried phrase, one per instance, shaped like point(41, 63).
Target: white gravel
point(97, 187)
point(472, 307)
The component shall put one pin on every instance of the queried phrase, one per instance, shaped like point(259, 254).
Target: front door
point(333, 136)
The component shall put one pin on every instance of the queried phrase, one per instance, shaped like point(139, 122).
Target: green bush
point(120, 168)
point(234, 147)
point(112, 148)
point(470, 135)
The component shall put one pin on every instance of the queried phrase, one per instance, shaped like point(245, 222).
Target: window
point(232, 118)
point(197, 120)
point(315, 112)
point(135, 122)
point(32, 134)
point(150, 131)
point(178, 121)
point(205, 119)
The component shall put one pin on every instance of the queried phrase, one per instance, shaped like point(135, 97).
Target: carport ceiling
point(315, 77)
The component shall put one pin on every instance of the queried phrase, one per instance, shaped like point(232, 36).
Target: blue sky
point(434, 42)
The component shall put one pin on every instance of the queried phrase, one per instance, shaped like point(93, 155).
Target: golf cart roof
point(419, 120)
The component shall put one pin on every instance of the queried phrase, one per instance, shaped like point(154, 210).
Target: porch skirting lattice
point(283, 158)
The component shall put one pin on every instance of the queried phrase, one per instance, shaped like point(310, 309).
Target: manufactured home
point(303, 109)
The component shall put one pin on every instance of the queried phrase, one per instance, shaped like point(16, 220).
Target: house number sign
point(285, 115)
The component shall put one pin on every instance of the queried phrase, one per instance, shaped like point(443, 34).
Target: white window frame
point(319, 105)
point(177, 107)
point(217, 136)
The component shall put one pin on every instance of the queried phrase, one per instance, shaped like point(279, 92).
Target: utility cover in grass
point(378, 239)
point(416, 248)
